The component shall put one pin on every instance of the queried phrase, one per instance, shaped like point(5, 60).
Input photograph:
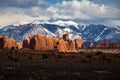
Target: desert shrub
point(15, 59)
point(103, 57)
point(88, 56)
point(108, 59)
point(84, 60)
point(30, 57)
point(60, 56)
point(81, 52)
point(45, 56)
point(98, 53)
point(116, 55)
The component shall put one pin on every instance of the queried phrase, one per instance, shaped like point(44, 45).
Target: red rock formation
point(19, 45)
point(79, 43)
point(2, 40)
point(7, 43)
point(61, 46)
point(26, 41)
point(55, 42)
point(71, 47)
point(38, 42)
point(49, 44)
point(91, 45)
point(65, 37)
point(113, 45)
point(104, 44)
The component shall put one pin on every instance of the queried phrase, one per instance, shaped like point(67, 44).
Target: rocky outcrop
point(78, 43)
point(19, 45)
point(49, 44)
point(26, 42)
point(91, 45)
point(61, 46)
point(37, 42)
point(71, 47)
point(113, 45)
point(7, 43)
point(65, 37)
point(104, 44)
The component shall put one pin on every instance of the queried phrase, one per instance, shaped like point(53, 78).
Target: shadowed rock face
point(104, 44)
point(26, 41)
point(65, 37)
point(7, 43)
point(113, 45)
point(71, 47)
point(78, 43)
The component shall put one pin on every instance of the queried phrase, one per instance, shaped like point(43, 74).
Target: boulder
point(78, 43)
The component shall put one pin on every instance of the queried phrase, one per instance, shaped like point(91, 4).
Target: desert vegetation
point(87, 64)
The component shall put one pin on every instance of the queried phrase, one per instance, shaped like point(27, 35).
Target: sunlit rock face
point(7, 43)
point(49, 44)
point(78, 43)
point(19, 45)
point(37, 42)
point(61, 46)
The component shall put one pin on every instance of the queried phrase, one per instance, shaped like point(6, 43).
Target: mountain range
point(89, 33)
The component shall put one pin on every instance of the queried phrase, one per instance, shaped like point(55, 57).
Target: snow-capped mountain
point(88, 33)
point(64, 23)
point(19, 32)
point(72, 34)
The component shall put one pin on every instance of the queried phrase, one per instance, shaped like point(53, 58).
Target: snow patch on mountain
point(72, 34)
point(39, 30)
point(99, 36)
point(64, 23)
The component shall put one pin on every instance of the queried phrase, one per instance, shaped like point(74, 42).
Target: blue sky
point(81, 11)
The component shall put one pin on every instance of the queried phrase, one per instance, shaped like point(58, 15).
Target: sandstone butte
point(39, 42)
point(6, 43)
